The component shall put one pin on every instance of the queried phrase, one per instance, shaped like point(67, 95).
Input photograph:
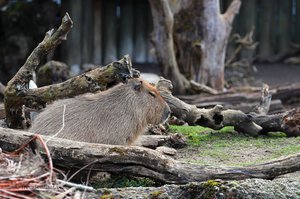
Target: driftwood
point(218, 117)
point(18, 94)
point(153, 141)
point(138, 161)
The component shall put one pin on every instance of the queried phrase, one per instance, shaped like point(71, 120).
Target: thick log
point(218, 117)
point(154, 141)
point(138, 161)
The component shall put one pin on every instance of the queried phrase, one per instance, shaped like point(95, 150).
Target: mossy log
point(18, 96)
point(218, 117)
point(138, 161)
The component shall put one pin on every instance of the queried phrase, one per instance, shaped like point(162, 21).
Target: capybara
point(115, 116)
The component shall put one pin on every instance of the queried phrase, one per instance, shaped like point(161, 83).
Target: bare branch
point(231, 11)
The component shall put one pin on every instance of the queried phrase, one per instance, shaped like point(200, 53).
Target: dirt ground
point(278, 74)
point(233, 152)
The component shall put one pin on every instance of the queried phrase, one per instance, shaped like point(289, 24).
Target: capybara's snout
point(166, 114)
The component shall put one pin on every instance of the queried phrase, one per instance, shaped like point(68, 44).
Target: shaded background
point(105, 30)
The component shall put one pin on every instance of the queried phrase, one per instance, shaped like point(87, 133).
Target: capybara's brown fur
point(116, 116)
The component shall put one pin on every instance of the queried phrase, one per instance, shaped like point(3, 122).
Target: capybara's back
point(116, 116)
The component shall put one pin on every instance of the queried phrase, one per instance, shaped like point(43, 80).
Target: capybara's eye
point(152, 94)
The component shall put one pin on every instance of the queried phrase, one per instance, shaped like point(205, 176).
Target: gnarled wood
point(18, 95)
point(139, 161)
point(218, 117)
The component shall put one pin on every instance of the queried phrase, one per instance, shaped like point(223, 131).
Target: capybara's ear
point(138, 86)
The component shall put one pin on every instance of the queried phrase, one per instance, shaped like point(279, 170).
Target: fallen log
point(218, 117)
point(152, 141)
point(138, 161)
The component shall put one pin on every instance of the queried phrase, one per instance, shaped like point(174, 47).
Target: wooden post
point(110, 31)
point(97, 32)
point(265, 29)
point(284, 25)
point(140, 45)
point(126, 25)
point(151, 58)
point(297, 32)
point(87, 31)
point(72, 47)
point(247, 20)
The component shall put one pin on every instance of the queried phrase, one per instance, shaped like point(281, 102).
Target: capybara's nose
point(166, 114)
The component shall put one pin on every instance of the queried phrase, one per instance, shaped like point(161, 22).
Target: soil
point(278, 74)
point(274, 75)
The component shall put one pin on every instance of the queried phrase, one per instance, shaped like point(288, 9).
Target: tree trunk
point(191, 39)
point(162, 39)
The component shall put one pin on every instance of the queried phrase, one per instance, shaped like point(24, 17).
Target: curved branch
point(231, 11)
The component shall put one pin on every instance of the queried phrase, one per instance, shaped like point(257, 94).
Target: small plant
point(125, 181)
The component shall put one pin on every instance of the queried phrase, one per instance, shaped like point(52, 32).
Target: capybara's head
point(149, 101)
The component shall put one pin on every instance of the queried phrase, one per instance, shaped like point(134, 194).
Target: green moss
point(155, 194)
point(118, 150)
point(197, 134)
point(211, 183)
point(117, 181)
point(107, 195)
point(227, 147)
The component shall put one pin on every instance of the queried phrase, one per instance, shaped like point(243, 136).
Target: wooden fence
point(105, 30)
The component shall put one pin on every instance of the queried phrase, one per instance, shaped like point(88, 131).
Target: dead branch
point(218, 117)
point(265, 101)
point(18, 94)
point(243, 42)
point(231, 11)
point(139, 161)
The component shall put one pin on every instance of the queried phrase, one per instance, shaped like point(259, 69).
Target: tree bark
point(139, 161)
point(190, 40)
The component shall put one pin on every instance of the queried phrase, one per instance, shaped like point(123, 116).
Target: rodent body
point(116, 116)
